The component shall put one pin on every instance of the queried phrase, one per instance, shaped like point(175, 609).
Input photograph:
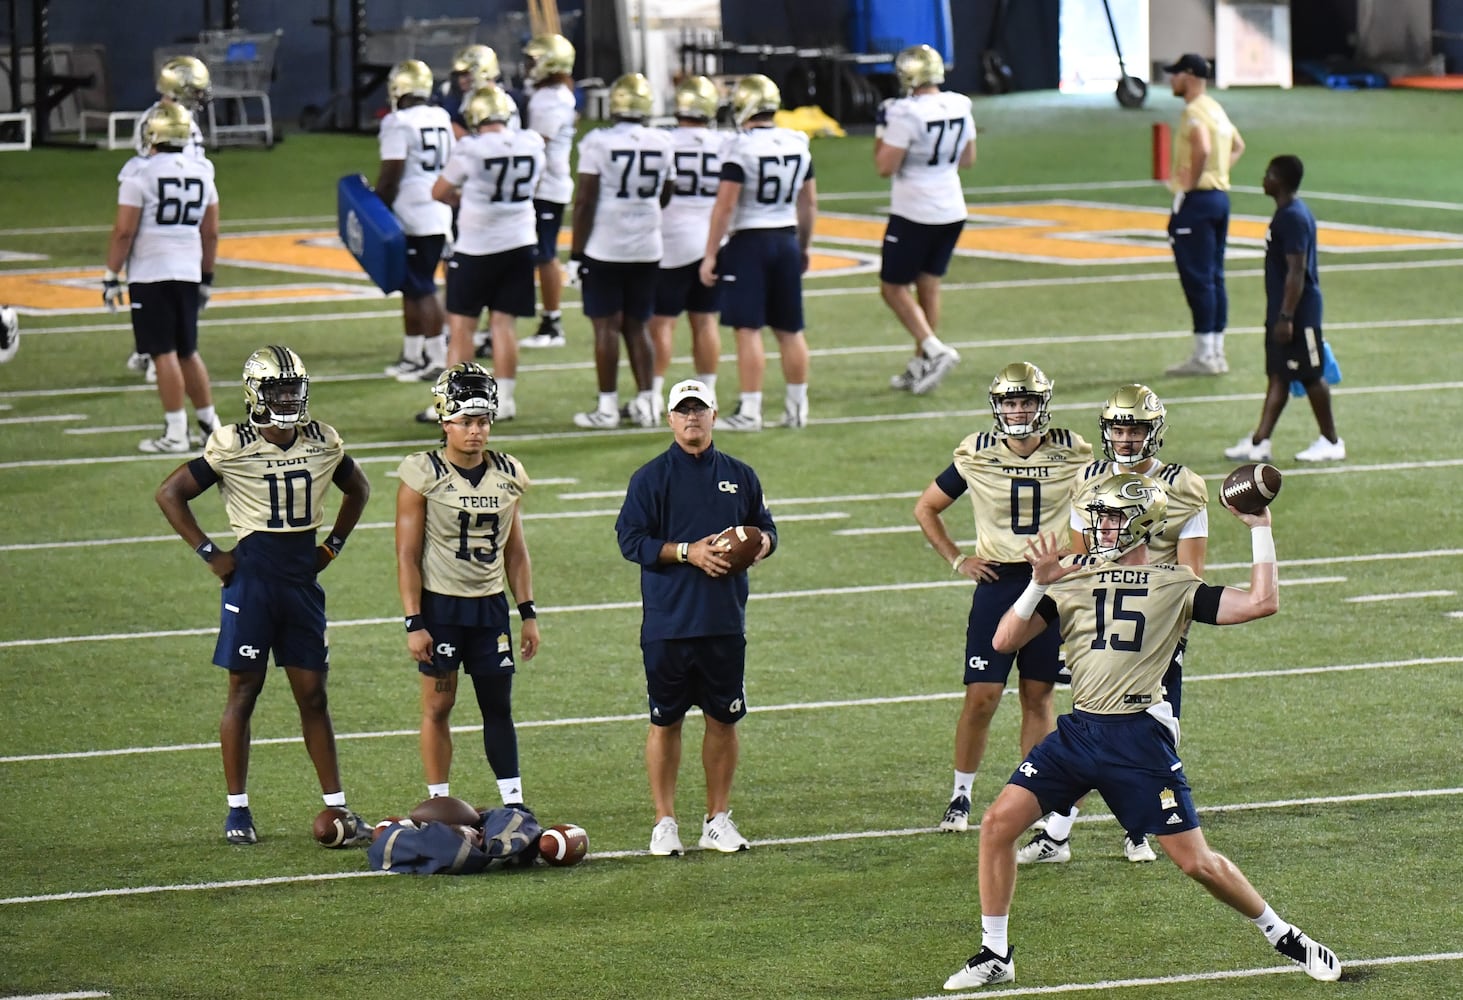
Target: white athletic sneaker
point(1319, 961)
point(906, 379)
point(794, 415)
point(406, 366)
point(597, 420)
point(150, 376)
point(1139, 852)
point(720, 833)
point(1322, 450)
point(957, 815)
point(1197, 364)
point(1042, 849)
point(641, 413)
point(739, 421)
point(137, 362)
point(550, 333)
point(665, 839)
point(935, 370)
point(164, 445)
point(1247, 451)
point(507, 410)
point(984, 968)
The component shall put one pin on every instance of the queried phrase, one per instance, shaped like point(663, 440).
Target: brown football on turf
point(563, 844)
point(740, 544)
point(446, 809)
point(334, 826)
point(387, 824)
point(1250, 488)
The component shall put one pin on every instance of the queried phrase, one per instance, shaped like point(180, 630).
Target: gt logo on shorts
point(445, 649)
point(252, 652)
point(1027, 768)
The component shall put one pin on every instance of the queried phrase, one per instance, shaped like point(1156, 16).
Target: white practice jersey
point(421, 137)
point(696, 166)
point(633, 164)
point(173, 190)
point(195, 135)
point(772, 165)
point(497, 173)
point(551, 114)
point(933, 129)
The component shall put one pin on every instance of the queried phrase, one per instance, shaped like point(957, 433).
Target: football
point(741, 544)
point(1250, 488)
point(563, 844)
point(334, 826)
point(446, 809)
point(386, 824)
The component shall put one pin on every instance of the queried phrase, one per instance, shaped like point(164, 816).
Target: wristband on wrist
point(959, 558)
point(1262, 544)
point(206, 550)
point(682, 551)
point(1025, 605)
point(1286, 317)
point(414, 623)
point(333, 545)
point(527, 611)
point(208, 277)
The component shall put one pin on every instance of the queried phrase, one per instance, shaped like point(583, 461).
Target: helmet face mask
point(630, 98)
point(479, 63)
point(276, 388)
point(1132, 405)
point(1020, 381)
point(697, 97)
point(185, 79)
point(488, 104)
point(409, 78)
point(466, 389)
point(546, 56)
point(755, 95)
point(1124, 512)
point(919, 66)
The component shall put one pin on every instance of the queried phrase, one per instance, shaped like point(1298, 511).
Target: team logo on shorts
point(1167, 799)
point(503, 643)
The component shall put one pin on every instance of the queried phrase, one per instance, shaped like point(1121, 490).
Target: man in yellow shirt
point(1205, 149)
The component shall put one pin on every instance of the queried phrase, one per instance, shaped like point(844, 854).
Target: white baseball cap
point(691, 389)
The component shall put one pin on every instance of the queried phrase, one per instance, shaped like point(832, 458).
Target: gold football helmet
point(490, 103)
point(630, 97)
point(548, 55)
point(1138, 405)
point(1021, 379)
point(479, 62)
point(409, 78)
point(755, 95)
point(467, 389)
point(167, 125)
point(276, 387)
point(1140, 505)
point(697, 97)
point(185, 79)
point(919, 66)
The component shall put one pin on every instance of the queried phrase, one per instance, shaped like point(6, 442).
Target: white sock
point(435, 349)
point(512, 790)
point(751, 404)
point(797, 393)
point(208, 417)
point(964, 782)
point(334, 798)
point(505, 389)
point(1216, 343)
point(411, 347)
point(437, 791)
point(657, 385)
point(176, 422)
point(1205, 343)
point(239, 801)
point(1059, 827)
point(609, 402)
point(553, 315)
point(710, 381)
point(993, 934)
point(932, 346)
point(1270, 925)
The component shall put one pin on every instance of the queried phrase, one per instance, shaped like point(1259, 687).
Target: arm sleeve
point(761, 516)
point(732, 171)
point(393, 142)
point(633, 526)
point(951, 482)
point(897, 129)
point(203, 472)
point(1047, 608)
point(130, 192)
point(1206, 604)
point(343, 472)
point(1291, 234)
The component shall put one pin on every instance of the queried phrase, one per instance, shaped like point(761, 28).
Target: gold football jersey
point(467, 526)
point(1120, 626)
point(269, 488)
point(1204, 112)
point(1016, 498)
point(1186, 492)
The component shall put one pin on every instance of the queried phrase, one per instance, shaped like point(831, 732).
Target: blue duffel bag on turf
point(369, 230)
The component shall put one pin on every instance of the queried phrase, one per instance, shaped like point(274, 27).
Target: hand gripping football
point(1250, 488)
point(563, 844)
point(740, 544)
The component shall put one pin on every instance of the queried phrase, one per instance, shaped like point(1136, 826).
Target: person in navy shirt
point(1294, 348)
point(693, 629)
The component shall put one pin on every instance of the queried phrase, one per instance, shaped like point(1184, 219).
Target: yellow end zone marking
point(1065, 232)
point(63, 291)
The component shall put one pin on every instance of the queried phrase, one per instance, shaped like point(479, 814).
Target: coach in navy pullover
point(675, 505)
